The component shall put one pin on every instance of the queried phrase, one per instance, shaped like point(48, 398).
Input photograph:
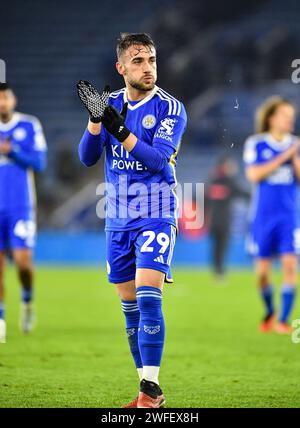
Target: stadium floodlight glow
point(2, 71)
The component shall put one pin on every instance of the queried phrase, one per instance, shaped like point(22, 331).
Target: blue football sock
point(288, 294)
point(152, 326)
point(132, 316)
point(1, 311)
point(267, 296)
point(27, 295)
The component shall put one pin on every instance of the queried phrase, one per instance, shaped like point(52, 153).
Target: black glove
point(114, 122)
point(92, 100)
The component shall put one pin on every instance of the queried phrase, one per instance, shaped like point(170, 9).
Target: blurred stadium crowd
point(220, 58)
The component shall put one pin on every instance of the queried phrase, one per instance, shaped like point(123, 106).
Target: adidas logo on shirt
point(159, 259)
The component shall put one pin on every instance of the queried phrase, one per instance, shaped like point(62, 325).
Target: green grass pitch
point(78, 355)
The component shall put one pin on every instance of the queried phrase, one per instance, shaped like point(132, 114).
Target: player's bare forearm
point(256, 173)
point(296, 165)
point(296, 160)
point(130, 142)
point(94, 128)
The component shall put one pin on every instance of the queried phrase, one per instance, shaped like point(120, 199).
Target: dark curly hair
point(129, 39)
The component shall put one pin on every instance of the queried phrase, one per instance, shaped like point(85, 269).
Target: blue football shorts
point(17, 229)
point(273, 237)
point(150, 246)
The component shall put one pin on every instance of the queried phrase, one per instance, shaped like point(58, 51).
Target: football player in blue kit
point(273, 165)
point(140, 128)
point(22, 151)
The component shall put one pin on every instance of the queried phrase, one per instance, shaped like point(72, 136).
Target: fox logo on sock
point(152, 329)
point(130, 332)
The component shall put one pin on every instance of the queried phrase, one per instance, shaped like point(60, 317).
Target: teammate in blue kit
point(140, 127)
point(22, 150)
point(273, 164)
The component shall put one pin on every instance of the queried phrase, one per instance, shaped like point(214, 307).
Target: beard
point(5, 116)
point(141, 86)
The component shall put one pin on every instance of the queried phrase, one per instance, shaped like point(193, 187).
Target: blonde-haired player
point(273, 167)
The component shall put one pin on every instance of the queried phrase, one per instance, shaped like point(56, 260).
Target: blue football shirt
point(276, 195)
point(17, 190)
point(136, 196)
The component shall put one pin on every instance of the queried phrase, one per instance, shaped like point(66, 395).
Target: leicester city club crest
point(149, 121)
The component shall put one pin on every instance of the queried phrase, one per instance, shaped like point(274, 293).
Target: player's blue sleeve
point(252, 152)
point(34, 153)
point(153, 158)
point(36, 159)
point(166, 141)
point(91, 147)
